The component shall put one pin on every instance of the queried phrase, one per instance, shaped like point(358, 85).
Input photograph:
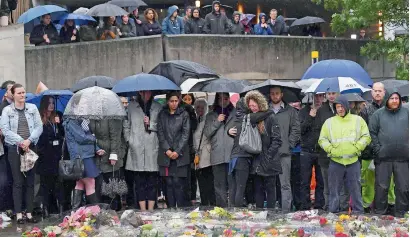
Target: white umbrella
point(81, 11)
point(337, 84)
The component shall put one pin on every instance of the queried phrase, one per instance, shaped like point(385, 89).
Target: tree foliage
point(356, 14)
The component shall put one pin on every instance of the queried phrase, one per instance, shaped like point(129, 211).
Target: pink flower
point(51, 234)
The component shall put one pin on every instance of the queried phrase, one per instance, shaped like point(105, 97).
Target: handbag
point(70, 169)
point(250, 138)
point(27, 160)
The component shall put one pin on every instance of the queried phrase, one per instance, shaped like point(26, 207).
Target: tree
point(356, 14)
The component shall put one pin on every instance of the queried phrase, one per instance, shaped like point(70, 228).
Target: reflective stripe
point(345, 139)
point(345, 157)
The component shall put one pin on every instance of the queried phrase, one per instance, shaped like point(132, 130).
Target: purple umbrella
point(246, 18)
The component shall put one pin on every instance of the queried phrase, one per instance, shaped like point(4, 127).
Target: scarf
point(226, 111)
point(85, 124)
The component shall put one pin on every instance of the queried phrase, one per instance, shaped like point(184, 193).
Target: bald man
point(368, 174)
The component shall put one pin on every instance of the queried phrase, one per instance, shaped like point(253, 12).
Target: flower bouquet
point(35, 232)
point(81, 222)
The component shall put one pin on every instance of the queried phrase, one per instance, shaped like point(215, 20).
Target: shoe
point(21, 221)
point(77, 198)
point(46, 213)
point(92, 199)
point(31, 220)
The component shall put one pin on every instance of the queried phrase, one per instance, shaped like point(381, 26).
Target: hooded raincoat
point(173, 27)
point(259, 30)
point(215, 22)
point(236, 28)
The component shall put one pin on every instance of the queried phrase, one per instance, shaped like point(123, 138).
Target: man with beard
point(216, 22)
point(195, 25)
point(237, 27)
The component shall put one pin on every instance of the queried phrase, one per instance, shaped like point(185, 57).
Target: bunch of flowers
point(81, 222)
point(35, 232)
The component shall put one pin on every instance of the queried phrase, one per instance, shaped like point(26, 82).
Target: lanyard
point(54, 127)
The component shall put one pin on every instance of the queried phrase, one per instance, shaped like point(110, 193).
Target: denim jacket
point(9, 124)
point(80, 144)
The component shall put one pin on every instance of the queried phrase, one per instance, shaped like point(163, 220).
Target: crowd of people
point(358, 153)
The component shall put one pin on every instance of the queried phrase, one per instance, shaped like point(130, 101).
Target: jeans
point(205, 178)
point(176, 195)
point(344, 194)
point(308, 160)
point(286, 190)
point(384, 171)
point(220, 172)
point(237, 182)
point(265, 187)
point(348, 175)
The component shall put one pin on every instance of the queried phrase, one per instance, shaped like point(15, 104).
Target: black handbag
point(70, 169)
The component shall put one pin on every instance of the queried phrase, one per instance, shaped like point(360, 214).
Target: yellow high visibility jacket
point(344, 138)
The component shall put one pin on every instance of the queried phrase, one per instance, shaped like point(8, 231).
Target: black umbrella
point(393, 84)
point(403, 90)
point(100, 81)
point(307, 21)
point(291, 91)
point(354, 97)
point(106, 10)
point(179, 71)
point(128, 3)
point(221, 86)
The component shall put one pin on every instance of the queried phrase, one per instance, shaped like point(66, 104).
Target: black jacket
point(193, 124)
point(139, 29)
point(323, 113)
point(279, 28)
point(237, 28)
point(66, 33)
point(389, 130)
point(127, 30)
point(366, 114)
point(49, 154)
point(3, 104)
point(309, 130)
point(173, 134)
point(36, 36)
point(268, 163)
point(152, 29)
point(195, 26)
point(216, 23)
point(87, 33)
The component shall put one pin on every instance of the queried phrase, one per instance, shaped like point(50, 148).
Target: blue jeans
point(348, 175)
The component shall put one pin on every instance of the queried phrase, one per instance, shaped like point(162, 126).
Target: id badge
point(56, 142)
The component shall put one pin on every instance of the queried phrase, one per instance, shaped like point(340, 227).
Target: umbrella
point(31, 17)
point(354, 97)
point(28, 95)
point(291, 91)
point(307, 21)
point(392, 84)
point(81, 11)
point(61, 98)
point(246, 18)
point(128, 3)
point(180, 70)
point(221, 86)
point(106, 10)
point(95, 103)
point(404, 90)
point(144, 82)
point(114, 187)
point(78, 19)
point(305, 84)
point(100, 81)
point(337, 84)
point(338, 68)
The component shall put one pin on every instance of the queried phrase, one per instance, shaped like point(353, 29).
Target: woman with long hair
point(174, 157)
point(151, 25)
point(49, 148)
point(68, 33)
point(21, 126)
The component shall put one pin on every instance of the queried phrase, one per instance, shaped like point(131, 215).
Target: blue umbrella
point(341, 85)
point(144, 82)
point(338, 68)
point(61, 98)
point(78, 19)
point(29, 96)
point(31, 18)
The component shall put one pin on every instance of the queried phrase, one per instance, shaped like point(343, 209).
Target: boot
point(77, 198)
point(46, 213)
point(92, 199)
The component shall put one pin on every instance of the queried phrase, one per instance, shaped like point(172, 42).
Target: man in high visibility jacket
point(344, 137)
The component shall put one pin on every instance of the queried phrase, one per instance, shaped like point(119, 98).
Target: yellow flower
point(87, 228)
point(83, 234)
point(344, 217)
point(339, 227)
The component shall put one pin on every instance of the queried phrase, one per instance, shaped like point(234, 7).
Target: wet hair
point(217, 97)
point(7, 83)
point(44, 103)
point(172, 94)
point(15, 86)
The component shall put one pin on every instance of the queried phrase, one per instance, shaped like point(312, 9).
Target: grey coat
point(143, 146)
point(221, 142)
point(108, 134)
point(204, 151)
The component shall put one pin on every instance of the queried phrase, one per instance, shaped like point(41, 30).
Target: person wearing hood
point(202, 148)
point(151, 26)
point(173, 24)
point(195, 25)
point(277, 23)
point(217, 124)
point(174, 155)
point(267, 165)
point(45, 33)
point(389, 129)
point(262, 28)
point(68, 33)
point(288, 120)
point(237, 27)
point(215, 21)
point(344, 137)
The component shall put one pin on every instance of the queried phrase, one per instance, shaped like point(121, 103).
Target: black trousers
point(249, 191)
point(68, 187)
point(22, 183)
point(6, 184)
point(307, 161)
point(176, 195)
point(265, 187)
point(237, 182)
point(51, 190)
point(115, 203)
point(221, 184)
point(146, 185)
point(130, 198)
point(205, 178)
point(295, 180)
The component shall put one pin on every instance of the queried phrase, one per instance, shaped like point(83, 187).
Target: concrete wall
point(262, 57)
point(12, 64)
point(60, 66)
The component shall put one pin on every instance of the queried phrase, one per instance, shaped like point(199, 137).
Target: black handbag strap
point(63, 149)
point(200, 140)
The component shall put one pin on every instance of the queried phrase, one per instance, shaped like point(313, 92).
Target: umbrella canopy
point(246, 18)
point(404, 90)
point(95, 103)
point(144, 82)
point(307, 21)
point(77, 18)
point(128, 3)
point(31, 17)
point(392, 84)
point(28, 95)
point(61, 98)
point(221, 86)
point(291, 91)
point(338, 68)
point(180, 70)
point(305, 84)
point(354, 97)
point(337, 84)
point(106, 10)
point(100, 81)
point(81, 11)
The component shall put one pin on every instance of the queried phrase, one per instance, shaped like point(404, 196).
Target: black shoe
point(21, 221)
point(31, 220)
point(92, 199)
point(367, 210)
point(46, 213)
point(77, 198)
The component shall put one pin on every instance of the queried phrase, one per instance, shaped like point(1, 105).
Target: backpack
point(12, 4)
